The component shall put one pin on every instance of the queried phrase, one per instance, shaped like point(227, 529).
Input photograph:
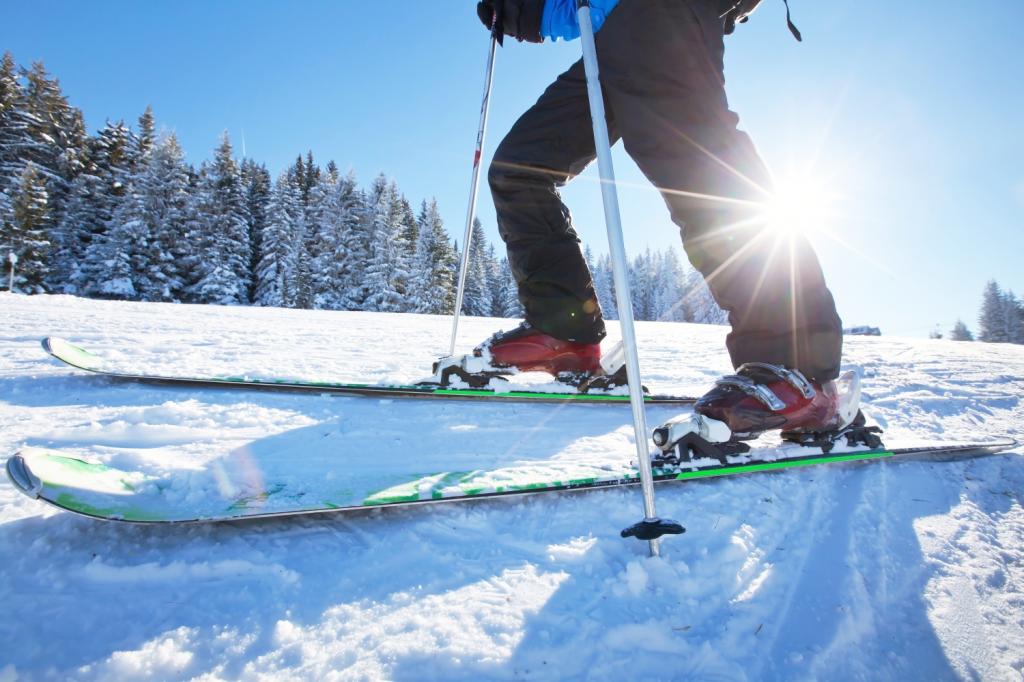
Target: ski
point(80, 358)
point(103, 492)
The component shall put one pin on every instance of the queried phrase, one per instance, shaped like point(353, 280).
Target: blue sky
point(910, 111)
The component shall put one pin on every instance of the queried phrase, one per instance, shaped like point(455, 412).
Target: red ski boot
point(762, 397)
point(524, 349)
point(530, 350)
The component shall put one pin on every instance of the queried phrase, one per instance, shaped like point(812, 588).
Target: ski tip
point(73, 355)
point(22, 477)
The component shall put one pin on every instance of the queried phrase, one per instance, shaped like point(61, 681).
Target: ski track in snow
point(890, 570)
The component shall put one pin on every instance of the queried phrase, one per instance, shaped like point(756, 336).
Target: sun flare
point(801, 205)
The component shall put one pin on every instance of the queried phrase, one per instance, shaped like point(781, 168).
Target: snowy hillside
point(892, 570)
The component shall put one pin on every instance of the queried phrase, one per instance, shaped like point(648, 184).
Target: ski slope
point(899, 570)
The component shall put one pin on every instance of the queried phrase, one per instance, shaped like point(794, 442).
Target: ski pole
point(475, 183)
point(651, 528)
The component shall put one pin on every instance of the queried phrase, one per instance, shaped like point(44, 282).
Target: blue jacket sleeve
point(560, 18)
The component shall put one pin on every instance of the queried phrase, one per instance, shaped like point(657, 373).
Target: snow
point(888, 570)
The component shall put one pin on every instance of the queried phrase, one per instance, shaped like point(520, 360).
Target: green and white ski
point(96, 490)
point(80, 358)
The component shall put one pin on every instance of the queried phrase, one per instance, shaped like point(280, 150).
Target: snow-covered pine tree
point(702, 304)
point(433, 283)
point(1014, 317)
point(146, 137)
point(994, 321)
point(342, 262)
point(14, 136)
point(604, 284)
point(6, 229)
point(72, 164)
point(164, 183)
point(386, 272)
point(276, 272)
point(57, 135)
point(133, 260)
point(103, 188)
point(74, 231)
point(960, 332)
point(224, 243)
point(308, 176)
point(310, 238)
point(321, 235)
point(642, 282)
point(125, 246)
point(41, 101)
point(669, 300)
point(256, 188)
point(410, 227)
point(26, 235)
point(511, 306)
point(478, 296)
point(498, 284)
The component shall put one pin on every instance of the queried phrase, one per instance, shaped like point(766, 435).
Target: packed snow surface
point(885, 570)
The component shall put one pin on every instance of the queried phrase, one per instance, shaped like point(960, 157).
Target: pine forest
point(121, 214)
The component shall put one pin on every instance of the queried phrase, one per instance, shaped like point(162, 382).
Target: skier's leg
point(662, 68)
point(548, 146)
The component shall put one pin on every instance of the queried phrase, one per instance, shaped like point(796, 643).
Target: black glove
point(491, 14)
point(738, 13)
point(517, 18)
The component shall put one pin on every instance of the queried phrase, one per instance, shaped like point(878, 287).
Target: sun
point(801, 204)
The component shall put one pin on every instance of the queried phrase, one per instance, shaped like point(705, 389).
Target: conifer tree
point(386, 274)
point(256, 187)
point(26, 234)
point(164, 185)
point(433, 280)
point(132, 259)
point(44, 106)
point(342, 261)
point(224, 244)
point(511, 306)
point(668, 293)
point(410, 226)
point(146, 137)
point(994, 322)
point(960, 332)
point(74, 231)
point(604, 285)
point(14, 137)
point(478, 298)
point(702, 303)
point(642, 278)
point(498, 285)
point(56, 136)
point(275, 274)
point(103, 188)
point(1014, 317)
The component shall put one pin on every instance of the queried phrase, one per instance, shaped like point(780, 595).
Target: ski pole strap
point(792, 27)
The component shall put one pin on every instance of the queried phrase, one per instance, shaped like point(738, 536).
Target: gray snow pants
point(663, 80)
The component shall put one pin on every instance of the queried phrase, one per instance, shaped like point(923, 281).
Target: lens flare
point(801, 205)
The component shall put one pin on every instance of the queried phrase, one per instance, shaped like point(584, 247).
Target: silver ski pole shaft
point(474, 187)
point(613, 221)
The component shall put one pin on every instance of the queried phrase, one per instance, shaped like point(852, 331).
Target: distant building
point(862, 331)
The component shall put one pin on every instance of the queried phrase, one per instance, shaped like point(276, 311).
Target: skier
point(662, 75)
